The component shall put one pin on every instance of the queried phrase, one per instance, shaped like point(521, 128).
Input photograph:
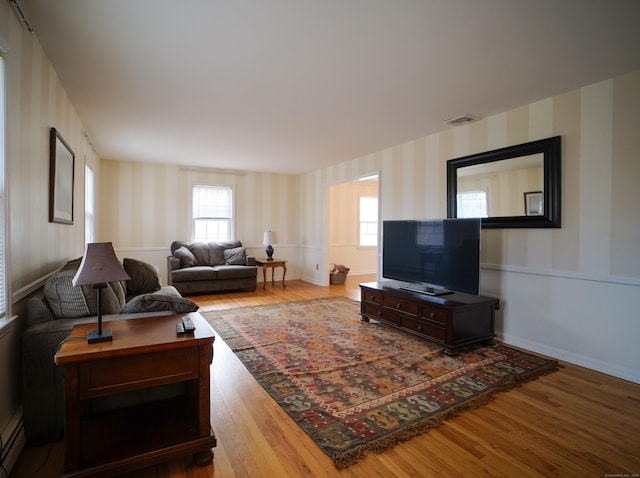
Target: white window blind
point(212, 213)
point(89, 206)
point(472, 204)
point(3, 269)
point(368, 221)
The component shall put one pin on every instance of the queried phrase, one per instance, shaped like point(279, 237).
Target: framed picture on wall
point(61, 167)
point(534, 203)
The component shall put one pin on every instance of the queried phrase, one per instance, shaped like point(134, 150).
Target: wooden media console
point(452, 320)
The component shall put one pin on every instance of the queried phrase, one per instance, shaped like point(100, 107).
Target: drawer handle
point(432, 315)
point(420, 328)
point(399, 305)
point(379, 314)
point(371, 297)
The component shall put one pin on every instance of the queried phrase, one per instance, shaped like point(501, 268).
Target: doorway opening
point(353, 231)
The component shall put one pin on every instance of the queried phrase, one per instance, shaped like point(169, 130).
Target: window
point(89, 206)
point(212, 213)
point(472, 204)
point(368, 221)
point(3, 269)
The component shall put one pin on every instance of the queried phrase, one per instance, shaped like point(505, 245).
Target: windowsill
point(6, 323)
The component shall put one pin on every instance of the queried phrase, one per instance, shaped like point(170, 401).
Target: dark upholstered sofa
point(54, 311)
point(198, 267)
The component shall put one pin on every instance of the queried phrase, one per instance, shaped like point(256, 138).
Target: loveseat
point(198, 267)
point(54, 311)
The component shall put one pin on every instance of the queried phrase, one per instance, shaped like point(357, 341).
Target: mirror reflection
point(516, 186)
point(501, 188)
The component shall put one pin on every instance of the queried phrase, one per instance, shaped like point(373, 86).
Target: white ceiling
point(291, 86)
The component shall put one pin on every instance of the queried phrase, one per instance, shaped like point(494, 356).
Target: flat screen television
point(433, 256)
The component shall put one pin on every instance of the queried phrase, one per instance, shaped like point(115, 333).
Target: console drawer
point(433, 313)
point(428, 328)
point(369, 295)
point(382, 314)
point(400, 304)
point(372, 310)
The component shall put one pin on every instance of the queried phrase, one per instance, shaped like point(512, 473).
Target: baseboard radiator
point(13, 442)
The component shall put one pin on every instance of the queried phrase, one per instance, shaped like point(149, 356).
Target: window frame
point(89, 205)
point(5, 303)
point(370, 224)
point(229, 219)
point(460, 199)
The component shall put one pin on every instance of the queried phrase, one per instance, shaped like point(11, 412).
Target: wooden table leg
point(284, 273)
point(72, 428)
point(264, 277)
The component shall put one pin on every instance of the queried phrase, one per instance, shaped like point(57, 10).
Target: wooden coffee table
point(146, 353)
point(265, 264)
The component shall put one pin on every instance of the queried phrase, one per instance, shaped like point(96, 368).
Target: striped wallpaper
point(35, 102)
point(597, 180)
point(149, 205)
point(143, 207)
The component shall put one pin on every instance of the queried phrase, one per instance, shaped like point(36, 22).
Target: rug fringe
point(348, 458)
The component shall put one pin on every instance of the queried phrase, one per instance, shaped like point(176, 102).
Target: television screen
point(440, 255)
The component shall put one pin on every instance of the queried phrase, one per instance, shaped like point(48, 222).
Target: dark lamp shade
point(99, 265)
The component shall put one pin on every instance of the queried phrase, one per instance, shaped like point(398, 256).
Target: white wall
point(572, 292)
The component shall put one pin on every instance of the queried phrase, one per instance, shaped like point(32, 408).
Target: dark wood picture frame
point(61, 176)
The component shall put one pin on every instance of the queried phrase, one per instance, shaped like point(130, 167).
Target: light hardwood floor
point(571, 423)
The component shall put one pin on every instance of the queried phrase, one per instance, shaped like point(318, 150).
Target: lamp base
point(93, 336)
point(269, 252)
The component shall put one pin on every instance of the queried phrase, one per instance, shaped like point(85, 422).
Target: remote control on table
point(179, 328)
point(188, 325)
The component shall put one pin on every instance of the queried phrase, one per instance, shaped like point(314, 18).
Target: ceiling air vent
point(462, 119)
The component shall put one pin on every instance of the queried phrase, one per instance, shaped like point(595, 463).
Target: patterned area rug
point(356, 387)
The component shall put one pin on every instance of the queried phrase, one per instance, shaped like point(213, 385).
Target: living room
point(570, 293)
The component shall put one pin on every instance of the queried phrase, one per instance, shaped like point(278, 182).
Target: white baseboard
point(569, 357)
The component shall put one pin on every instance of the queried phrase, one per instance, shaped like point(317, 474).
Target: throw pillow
point(216, 254)
point(187, 259)
point(65, 300)
point(235, 256)
point(145, 277)
point(69, 302)
point(216, 251)
point(200, 251)
point(112, 298)
point(159, 302)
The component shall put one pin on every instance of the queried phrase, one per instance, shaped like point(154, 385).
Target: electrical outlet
point(317, 267)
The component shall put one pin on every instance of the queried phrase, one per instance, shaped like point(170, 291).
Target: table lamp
point(267, 239)
point(99, 265)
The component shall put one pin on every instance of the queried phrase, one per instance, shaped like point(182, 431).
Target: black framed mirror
point(516, 186)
